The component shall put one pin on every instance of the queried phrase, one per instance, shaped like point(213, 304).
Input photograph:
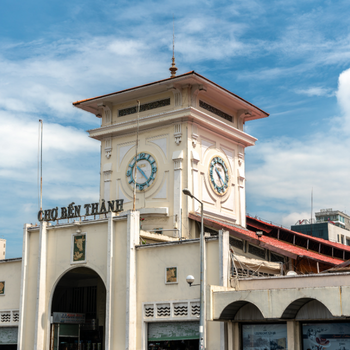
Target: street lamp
point(187, 192)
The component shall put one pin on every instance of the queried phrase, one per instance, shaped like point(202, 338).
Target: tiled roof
point(174, 80)
point(273, 244)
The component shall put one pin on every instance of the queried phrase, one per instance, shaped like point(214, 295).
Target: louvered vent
point(5, 317)
point(149, 311)
point(180, 310)
point(195, 309)
point(163, 310)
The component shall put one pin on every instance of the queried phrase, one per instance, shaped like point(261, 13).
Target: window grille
point(257, 251)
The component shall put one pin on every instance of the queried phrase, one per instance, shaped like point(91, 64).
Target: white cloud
point(288, 169)
point(315, 91)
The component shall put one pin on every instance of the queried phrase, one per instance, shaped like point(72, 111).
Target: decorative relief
point(195, 309)
point(179, 309)
point(5, 317)
point(107, 107)
point(215, 111)
point(144, 107)
point(177, 133)
point(163, 310)
point(108, 148)
point(149, 311)
point(9, 317)
point(178, 98)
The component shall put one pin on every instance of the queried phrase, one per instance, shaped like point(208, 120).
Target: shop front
point(173, 335)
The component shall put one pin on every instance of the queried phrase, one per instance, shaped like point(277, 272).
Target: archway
point(78, 311)
point(234, 310)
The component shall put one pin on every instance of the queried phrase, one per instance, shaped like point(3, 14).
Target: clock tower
point(181, 132)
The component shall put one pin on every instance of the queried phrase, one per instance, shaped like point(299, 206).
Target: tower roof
point(191, 78)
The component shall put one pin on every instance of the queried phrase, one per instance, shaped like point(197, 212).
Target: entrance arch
point(78, 311)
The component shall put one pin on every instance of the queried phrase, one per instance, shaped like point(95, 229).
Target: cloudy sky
point(290, 58)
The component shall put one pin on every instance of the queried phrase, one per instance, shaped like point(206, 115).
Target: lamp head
point(190, 279)
point(187, 192)
point(259, 233)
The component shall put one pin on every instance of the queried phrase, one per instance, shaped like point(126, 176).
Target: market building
point(112, 274)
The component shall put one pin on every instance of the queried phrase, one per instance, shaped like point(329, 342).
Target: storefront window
point(264, 336)
point(330, 336)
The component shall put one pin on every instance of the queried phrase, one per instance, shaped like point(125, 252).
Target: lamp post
point(187, 192)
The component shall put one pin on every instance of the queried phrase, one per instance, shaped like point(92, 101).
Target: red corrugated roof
point(311, 238)
point(270, 243)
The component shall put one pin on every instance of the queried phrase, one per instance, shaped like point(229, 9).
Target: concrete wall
point(11, 275)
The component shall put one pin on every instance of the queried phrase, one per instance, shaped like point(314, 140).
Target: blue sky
point(290, 58)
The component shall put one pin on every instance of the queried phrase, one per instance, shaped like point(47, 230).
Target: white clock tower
point(190, 135)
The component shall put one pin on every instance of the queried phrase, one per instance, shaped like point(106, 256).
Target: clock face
point(218, 175)
point(142, 170)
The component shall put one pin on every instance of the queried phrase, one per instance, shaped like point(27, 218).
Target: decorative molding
point(161, 142)
point(177, 133)
point(178, 158)
point(205, 145)
point(194, 135)
point(196, 89)
point(123, 150)
point(144, 107)
point(177, 95)
point(107, 171)
point(195, 159)
point(108, 109)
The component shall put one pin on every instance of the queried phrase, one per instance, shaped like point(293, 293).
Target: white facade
point(116, 279)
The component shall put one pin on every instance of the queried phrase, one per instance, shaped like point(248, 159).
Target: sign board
point(67, 317)
point(8, 335)
point(161, 331)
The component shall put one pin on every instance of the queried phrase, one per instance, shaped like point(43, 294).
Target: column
point(293, 335)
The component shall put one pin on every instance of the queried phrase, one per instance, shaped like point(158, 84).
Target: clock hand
point(138, 168)
point(217, 171)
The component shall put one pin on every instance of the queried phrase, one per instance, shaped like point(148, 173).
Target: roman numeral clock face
point(219, 176)
point(142, 170)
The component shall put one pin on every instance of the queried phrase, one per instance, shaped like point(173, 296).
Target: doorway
point(78, 311)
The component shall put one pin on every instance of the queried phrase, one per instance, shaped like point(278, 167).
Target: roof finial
point(173, 68)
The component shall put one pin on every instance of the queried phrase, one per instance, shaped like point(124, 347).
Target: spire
point(173, 68)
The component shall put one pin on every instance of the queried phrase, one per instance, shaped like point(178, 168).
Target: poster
point(264, 337)
point(171, 275)
point(79, 247)
point(2, 287)
point(330, 336)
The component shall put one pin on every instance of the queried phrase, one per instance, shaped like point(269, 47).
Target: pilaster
point(39, 337)
point(177, 158)
point(133, 238)
point(224, 266)
point(20, 341)
point(109, 299)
